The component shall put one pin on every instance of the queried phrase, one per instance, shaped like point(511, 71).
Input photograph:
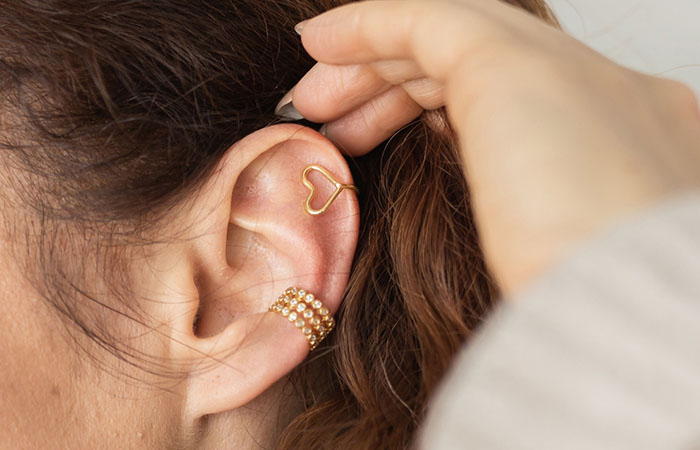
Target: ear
point(247, 239)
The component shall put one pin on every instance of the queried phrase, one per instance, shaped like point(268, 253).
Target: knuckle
point(684, 95)
point(493, 67)
point(426, 92)
point(680, 98)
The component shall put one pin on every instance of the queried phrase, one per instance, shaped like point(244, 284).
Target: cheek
point(54, 397)
point(37, 370)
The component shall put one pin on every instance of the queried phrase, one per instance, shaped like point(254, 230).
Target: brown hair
point(123, 108)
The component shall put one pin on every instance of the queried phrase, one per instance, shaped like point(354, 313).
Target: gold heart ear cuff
point(307, 313)
point(339, 187)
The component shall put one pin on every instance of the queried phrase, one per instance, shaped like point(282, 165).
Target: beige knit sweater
point(601, 353)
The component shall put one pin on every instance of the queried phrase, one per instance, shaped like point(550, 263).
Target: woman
point(150, 200)
point(153, 211)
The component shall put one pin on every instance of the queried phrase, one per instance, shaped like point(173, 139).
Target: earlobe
point(251, 238)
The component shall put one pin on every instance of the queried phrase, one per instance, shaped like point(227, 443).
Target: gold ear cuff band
point(307, 313)
point(339, 187)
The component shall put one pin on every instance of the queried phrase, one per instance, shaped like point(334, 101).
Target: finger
point(328, 92)
point(397, 71)
point(362, 130)
point(366, 32)
point(426, 92)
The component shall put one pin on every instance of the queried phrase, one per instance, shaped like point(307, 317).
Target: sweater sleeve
point(601, 353)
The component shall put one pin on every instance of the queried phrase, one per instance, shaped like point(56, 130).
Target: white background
point(661, 37)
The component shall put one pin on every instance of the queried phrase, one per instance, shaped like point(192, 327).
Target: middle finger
point(328, 92)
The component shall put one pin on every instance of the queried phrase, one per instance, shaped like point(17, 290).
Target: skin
point(558, 143)
point(230, 250)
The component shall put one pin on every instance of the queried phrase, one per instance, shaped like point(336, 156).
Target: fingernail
point(289, 112)
point(299, 27)
point(286, 109)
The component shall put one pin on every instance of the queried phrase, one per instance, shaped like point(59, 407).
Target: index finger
point(432, 33)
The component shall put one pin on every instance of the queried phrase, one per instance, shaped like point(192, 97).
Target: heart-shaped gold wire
point(339, 187)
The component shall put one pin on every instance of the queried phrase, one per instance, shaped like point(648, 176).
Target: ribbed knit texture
point(601, 353)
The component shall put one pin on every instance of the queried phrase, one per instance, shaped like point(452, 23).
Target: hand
point(557, 141)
